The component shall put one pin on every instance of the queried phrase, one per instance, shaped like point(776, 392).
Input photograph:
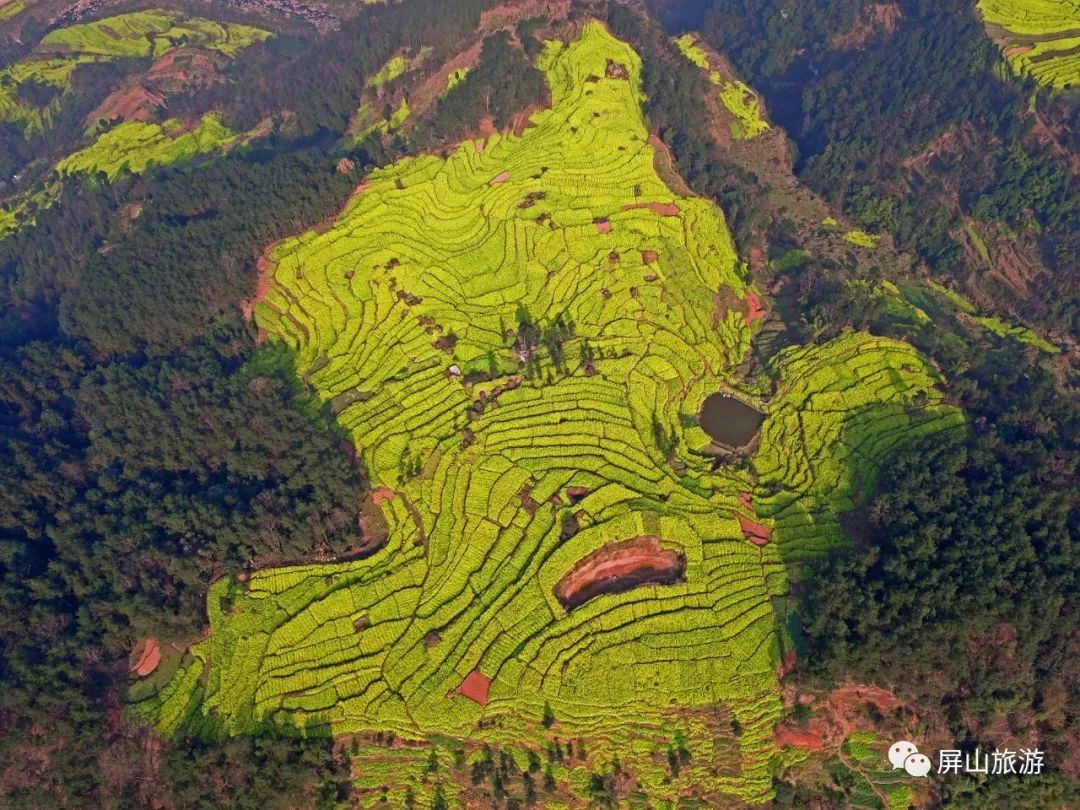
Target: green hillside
point(518, 339)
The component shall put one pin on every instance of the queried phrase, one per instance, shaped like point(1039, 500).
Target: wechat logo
point(904, 754)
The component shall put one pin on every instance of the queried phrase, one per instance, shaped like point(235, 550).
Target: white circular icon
point(900, 751)
point(917, 765)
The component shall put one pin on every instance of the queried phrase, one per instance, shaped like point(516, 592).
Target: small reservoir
point(730, 421)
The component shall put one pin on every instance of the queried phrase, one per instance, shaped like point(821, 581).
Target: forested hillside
point(308, 298)
point(902, 118)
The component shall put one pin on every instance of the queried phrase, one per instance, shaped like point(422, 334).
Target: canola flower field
point(134, 147)
point(140, 34)
point(1039, 38)
point(505, 464)
point(739, 99)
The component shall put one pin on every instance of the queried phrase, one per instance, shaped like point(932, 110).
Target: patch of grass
point(744, 104)
point(1018, 333)
point(954, 297)
point(993, 323)
point(792, 260)
point(455, 78)
point(387, 73)
point(977, 240)
point(863, 774)
point(862, 239)
point(11, 8)
point(692, 51)
point(148, 33)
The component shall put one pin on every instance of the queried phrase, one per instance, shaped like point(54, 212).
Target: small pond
point(730, 421)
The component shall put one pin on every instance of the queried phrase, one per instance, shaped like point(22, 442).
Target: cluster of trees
point(674, 88)
point(144, 453)
point(320, 85)
point(965, 593)
point(857, 115)
point(149, 446)
point(504, 82)
point(144, 264)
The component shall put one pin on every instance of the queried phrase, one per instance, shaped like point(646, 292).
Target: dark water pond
point(729, 421)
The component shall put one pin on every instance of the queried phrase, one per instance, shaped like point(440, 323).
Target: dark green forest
point(856, 116)
point(149, 443)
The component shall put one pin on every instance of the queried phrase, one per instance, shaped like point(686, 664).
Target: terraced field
point(518, 339)
point(139, 34)
point(741, 101)
point(135, 147)
point(1038, 38)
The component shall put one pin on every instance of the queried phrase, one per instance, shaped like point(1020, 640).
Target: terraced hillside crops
point(518, 339)
point(741, 101)
point(1038, 38)
point(134, 147)
point(125, 36)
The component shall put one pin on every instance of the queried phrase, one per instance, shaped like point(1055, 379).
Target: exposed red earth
point(755, 532)
point(178, 71)
point(663, 209)
point(380, 494)
point(145, 657)
point(476, 687)
point(754, 310)
point(649, 256)
point(805, 738)
point(618, 567)
point(501, 177)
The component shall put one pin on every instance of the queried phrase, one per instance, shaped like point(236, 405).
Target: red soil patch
point(663, 209)
point(618, 567)
point(262, 284)
point(575, 494)
point(755, 532)
point(145, 657)
point(523, 120)
point(1016, 50)
point(380, 494)
point(804, 738)
point(501, 177)
point(512, 12)
point(844, 699)
point(139, 98)
point(476, 687)
point(649, 256)
point(602, 225)
point(754, 310)
point(746, 500)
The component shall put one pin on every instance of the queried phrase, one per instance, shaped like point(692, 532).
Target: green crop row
point(1039, 38)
